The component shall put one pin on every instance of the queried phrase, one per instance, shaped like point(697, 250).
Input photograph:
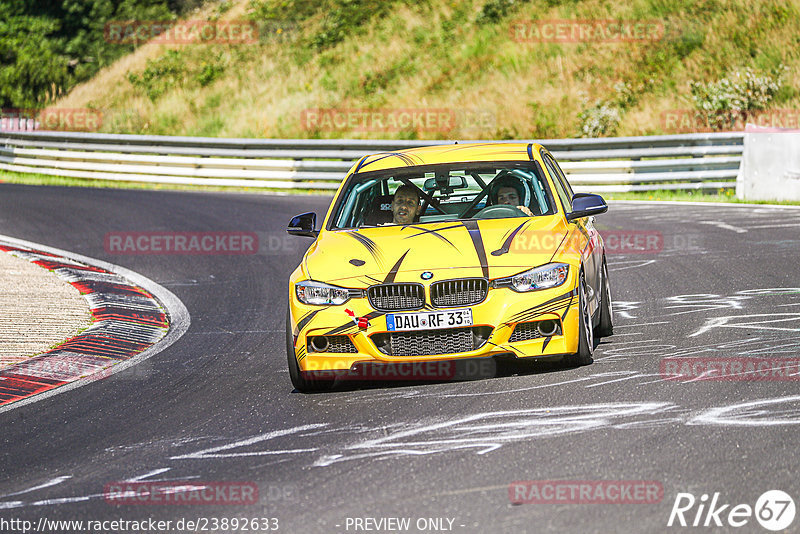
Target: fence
point(604, 165)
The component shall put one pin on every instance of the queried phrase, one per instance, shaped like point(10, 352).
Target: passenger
point(405, 205)
point(509, 191)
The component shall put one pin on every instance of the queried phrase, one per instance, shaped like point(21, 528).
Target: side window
point(558, 181)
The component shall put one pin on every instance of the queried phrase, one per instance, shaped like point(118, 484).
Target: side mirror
point(586, 205)
point(303, 225)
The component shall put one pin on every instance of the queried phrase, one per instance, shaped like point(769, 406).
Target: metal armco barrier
point(604, 165)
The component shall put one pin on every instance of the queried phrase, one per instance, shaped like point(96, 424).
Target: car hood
point(490, 248)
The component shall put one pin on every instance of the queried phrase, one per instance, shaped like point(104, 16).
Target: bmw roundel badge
point(427, 275)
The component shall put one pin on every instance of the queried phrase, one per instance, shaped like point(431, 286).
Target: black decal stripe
point(546, 342)
point(396, 267)
point(347, 328)
point(350, 328)
point(569, 305)
point(555, 302)
point(425, 231)
point(506, 347)
point(360, 164)
point(304, 320)
point(369, 244)
point(561, 244)
point(537, 313)
point(507, 244)
point(488, 145)
point(407, 159)
point(421, 229)
point(477, 241)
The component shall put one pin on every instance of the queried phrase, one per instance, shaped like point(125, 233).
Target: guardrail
point(604, 165)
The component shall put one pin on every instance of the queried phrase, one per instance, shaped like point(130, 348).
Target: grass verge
point(692, 196)
point(42, 179)
point(65, 181)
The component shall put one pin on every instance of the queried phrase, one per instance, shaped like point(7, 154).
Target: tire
point(300, 383)
point(606, 326)
point(585, 330)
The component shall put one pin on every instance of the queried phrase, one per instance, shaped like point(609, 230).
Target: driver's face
point(405, 207)
point(508, 196)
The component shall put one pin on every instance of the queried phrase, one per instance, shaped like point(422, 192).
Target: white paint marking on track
point(639, 263)
point(752, 413)
point(725, 322)
point(725, 226)
point(635, 375)
point(489, 431)
point(629, 334)
point(149, 474)
point(639, 324)
point(761, 227)
point(214, 452)
point(49, 483)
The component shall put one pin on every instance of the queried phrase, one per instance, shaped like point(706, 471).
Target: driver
point(405, 205)
point(508, 191)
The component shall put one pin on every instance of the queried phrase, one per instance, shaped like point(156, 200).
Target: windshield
point(443, 192)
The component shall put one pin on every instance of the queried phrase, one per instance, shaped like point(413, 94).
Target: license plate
point(428, 320)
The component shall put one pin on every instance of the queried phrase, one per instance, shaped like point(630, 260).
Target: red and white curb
point(133, 318)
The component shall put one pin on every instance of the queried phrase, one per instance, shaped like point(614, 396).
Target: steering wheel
point(501, 211)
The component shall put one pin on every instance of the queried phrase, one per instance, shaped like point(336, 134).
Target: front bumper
point(497, 316)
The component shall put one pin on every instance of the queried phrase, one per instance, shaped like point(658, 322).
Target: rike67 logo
point(774, 510)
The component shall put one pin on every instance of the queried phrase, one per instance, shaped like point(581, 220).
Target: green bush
point(599, 120)
point(46, 48)
point(160, 74)
point(210, 70)
point(495, 10)
point(336, 18)
point(736, 96)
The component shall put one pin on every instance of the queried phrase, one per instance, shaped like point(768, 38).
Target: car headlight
point(317, 293)
point(544, 277)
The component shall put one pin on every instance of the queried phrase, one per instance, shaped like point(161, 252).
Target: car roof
point(430, 155)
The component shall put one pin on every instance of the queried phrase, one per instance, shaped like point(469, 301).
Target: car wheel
point(606, 326)
point(585, 330)
point(301, 384)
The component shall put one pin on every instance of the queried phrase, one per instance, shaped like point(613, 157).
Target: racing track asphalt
point(218, 405)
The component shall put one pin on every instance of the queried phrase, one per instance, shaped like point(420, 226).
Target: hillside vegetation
point(48, 47)
point(462, 60)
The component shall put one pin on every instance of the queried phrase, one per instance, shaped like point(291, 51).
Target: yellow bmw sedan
point(443, 253)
